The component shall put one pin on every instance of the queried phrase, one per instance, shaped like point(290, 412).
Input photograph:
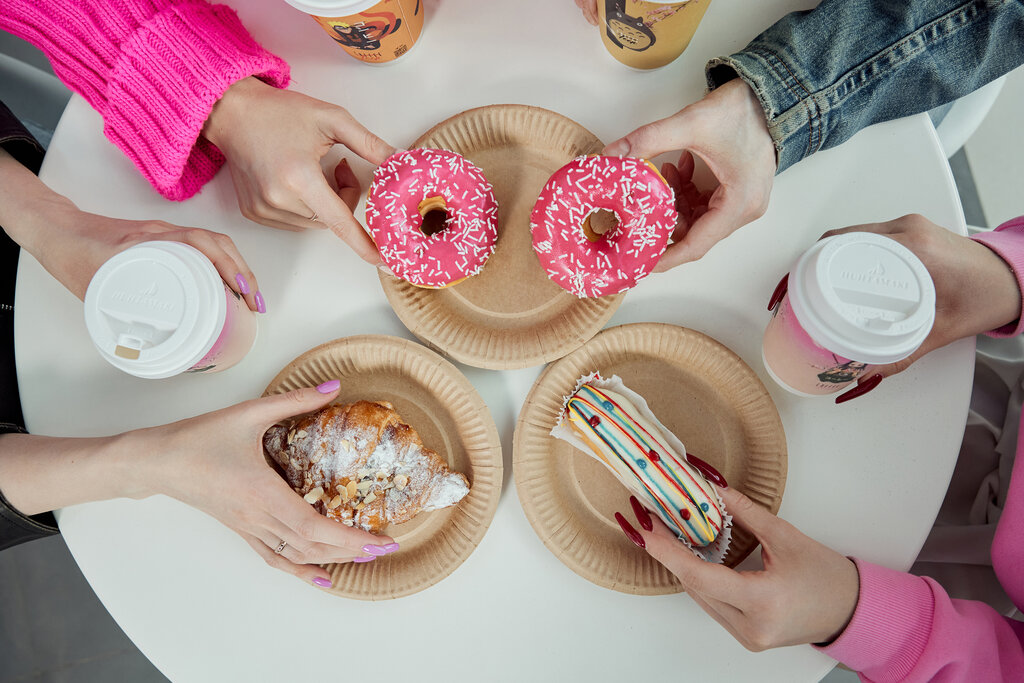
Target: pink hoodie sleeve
point(1008, 241)
point(153, 69)
point(905, 627)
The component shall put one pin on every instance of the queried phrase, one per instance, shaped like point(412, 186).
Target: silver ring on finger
point(315, 217)
point(280, 547)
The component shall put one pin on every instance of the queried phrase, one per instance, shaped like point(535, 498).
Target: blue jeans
point(824, 74)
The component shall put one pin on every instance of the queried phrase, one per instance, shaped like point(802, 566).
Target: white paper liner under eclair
point(714, 552)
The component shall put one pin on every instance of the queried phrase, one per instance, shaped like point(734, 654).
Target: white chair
point(965, 115)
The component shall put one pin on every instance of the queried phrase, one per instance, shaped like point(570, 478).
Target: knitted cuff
point(1007, 241)
point(169, 75)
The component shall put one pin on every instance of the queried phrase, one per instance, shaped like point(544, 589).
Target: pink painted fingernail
point(329, 386)
point(243, 284)
point(369, 558)
point(261, 304)
point(322, 582)
point(380, 549)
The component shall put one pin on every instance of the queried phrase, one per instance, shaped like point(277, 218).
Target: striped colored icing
point(634, 448)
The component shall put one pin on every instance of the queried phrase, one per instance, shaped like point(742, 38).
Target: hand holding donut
point(273, 140)
point(726, 129)
point(215, 463)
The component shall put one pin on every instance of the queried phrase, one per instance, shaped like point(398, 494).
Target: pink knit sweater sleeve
point(905, 627)
point(153, 69)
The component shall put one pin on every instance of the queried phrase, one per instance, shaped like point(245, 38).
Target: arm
point(153, 69)
point(213, 462)
point(822, 75)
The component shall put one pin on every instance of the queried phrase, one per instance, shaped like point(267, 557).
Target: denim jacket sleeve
point(824, 74)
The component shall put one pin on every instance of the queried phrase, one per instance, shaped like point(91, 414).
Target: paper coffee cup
point(854, 301)
point(648, 34)
point(158, 309)
point(372, 31)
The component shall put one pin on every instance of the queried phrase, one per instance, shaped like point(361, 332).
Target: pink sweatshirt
point(905, 627)
point(153, 69)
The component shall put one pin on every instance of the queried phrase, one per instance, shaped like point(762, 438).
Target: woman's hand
point(806, 592)
point(215, 463)
point(72, 244)
point(589, 9)
point(975, 290)
point(728, 131)
point(273, 141)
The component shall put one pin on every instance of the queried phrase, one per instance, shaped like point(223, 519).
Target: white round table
point(866, 477)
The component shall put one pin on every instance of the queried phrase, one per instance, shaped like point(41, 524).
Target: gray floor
point(53, 628)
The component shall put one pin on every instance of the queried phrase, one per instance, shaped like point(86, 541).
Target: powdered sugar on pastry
point(363, 466)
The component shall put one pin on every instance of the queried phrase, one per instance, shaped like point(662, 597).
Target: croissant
point(361, 465)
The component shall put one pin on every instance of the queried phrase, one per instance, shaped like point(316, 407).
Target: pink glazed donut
point(433, 217)
point(569, 247)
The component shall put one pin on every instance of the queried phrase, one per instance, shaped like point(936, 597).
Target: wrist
point(997, 283)
point(228, 114)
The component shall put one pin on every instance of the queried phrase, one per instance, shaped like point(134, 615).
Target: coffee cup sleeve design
point(614, 425)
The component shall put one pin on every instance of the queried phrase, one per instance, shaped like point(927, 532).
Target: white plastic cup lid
point(863, 296)
point(332, 8)
point(155, 309)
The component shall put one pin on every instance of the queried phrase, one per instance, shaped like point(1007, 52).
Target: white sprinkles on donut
point(644, 208)
point(406, 188)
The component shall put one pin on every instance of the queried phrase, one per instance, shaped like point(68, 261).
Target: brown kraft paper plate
point(438, 401)
point(510, 315)
point(701, 391)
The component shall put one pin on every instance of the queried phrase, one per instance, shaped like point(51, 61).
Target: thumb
point(342, 127)
point(751, 516)
point(270, 410)
point(664, 135)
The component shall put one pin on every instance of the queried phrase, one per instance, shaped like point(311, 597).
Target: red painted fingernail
point(322, 582)
point(859, 390)
point(709, 472)
point(780, 291)
point(631, 533)
point(641, 514)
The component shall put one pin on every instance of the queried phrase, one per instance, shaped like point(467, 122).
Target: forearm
point(153, 69)
point(42, 473)
point(823, 75)
point(28, 206)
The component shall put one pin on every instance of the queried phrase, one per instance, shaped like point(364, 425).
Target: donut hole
point(434, 212)
point(599, 223)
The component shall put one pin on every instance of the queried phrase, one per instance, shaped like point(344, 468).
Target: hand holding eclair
point(806, 592)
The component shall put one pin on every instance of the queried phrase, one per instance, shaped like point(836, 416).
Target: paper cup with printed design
point(159, 309)
point(854, 301)
point(648, 34)
point(372, 31)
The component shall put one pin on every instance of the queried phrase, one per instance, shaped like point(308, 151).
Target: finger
point(753, 517)
point(302, 551)
point(270, 410)
point(862, 387)
point(309, 573)
point(342, 127)
point(589, 8)
point(686, 166)
point(349, 188)
point(312, 527)
point(706, 231)
point(332, 212)
point(651, 140)
point(224, 256)
point(711, 580)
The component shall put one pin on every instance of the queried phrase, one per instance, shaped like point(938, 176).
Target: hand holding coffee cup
point(917, 271)
point(975, 289)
